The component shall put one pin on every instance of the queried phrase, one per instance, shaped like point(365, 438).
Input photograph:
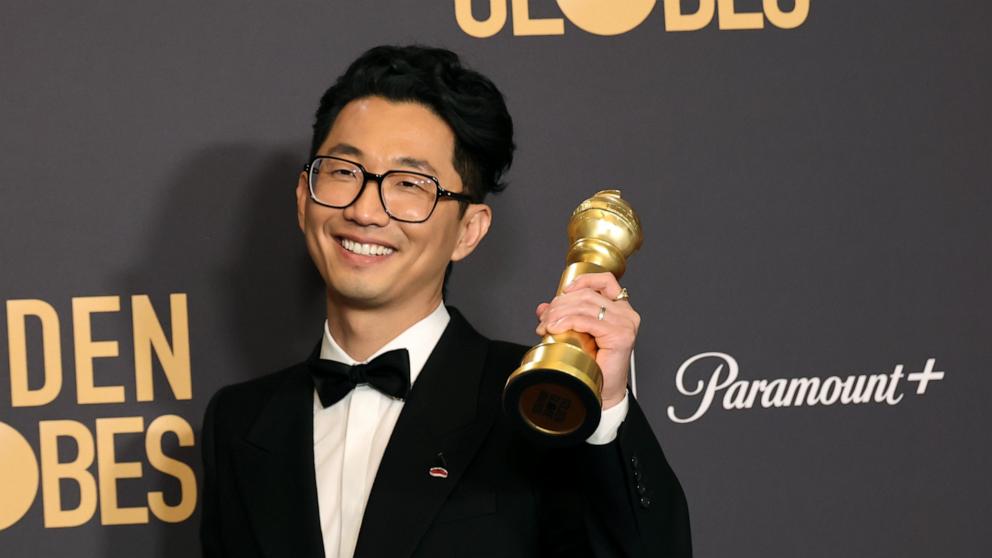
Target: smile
point(364, 249)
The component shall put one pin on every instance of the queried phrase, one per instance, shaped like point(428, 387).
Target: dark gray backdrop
point(815, 203)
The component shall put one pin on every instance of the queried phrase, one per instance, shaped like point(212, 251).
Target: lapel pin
point(439, 471)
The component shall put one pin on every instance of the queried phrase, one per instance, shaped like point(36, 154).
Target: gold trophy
point(556, 392)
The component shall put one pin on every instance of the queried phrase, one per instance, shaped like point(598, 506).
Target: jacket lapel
point(441, 415)
point(275, 471)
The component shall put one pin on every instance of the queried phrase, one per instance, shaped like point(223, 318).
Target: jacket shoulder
point(503, 357)
point(256, 388)
point(241, 402)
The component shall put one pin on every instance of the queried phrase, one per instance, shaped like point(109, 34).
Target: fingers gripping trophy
point(555, 393)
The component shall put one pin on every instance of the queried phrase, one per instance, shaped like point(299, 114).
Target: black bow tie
point(389, 373)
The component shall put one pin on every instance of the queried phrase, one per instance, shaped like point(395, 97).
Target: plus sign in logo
point(924, 378)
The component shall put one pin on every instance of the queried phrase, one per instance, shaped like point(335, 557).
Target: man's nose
point(368, 209)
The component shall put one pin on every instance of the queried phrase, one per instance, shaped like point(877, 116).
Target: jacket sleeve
point(632, 502)
point(654, 494)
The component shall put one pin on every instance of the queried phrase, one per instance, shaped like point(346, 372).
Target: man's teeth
point(365, 249)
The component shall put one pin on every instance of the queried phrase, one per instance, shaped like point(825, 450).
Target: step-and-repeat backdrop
point(813, 178)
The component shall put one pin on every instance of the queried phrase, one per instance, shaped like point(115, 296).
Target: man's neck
point(361, 331)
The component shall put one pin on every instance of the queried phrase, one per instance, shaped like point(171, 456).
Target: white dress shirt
point(350, 436)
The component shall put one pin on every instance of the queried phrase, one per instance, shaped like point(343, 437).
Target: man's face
point(404, 263)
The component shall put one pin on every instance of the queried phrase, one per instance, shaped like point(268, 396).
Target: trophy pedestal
point(555, 395)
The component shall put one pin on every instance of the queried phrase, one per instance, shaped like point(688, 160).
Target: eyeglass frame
point(366, 176)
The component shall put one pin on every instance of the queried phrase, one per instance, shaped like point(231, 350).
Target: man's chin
point(361, 295)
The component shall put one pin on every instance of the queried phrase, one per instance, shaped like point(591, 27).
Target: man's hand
point(578, 308)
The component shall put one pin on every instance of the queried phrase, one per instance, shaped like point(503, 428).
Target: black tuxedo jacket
point(502, 497)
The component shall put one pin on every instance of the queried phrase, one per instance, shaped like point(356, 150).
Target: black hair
point(434, 77)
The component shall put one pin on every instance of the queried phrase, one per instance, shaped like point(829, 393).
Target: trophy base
point(554, 396)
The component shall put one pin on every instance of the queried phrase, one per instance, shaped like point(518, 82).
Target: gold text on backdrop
point(615, 17)
point(93, 469)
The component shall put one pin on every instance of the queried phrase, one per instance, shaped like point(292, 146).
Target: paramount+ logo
point(110, 466)
point(615, 17)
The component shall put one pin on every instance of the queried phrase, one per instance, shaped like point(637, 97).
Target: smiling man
point(382, 250)
point(388, 439)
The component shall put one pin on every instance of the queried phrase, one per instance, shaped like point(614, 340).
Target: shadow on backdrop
point(226, 235)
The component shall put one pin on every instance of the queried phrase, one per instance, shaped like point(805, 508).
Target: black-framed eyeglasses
point(406, 196)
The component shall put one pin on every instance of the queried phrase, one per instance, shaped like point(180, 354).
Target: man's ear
point(472, 229)
point(302, 195)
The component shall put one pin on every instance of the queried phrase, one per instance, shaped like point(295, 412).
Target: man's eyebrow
point(345, 149)
point(419, 164)
point(410, 162)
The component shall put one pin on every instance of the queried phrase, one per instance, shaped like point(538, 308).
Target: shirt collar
point(419, 341)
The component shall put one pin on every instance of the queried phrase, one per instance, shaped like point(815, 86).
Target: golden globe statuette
point(556, 392)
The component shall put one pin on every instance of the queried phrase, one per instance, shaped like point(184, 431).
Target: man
point(389, 440)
